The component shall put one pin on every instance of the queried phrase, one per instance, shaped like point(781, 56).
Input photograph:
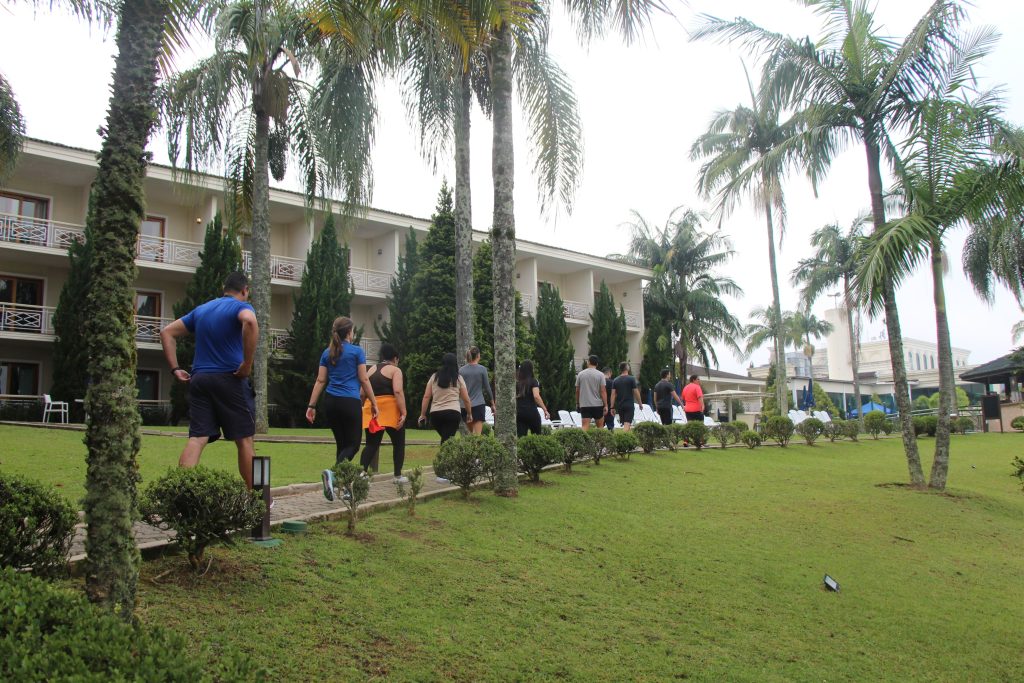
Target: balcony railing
point(576, 310)
point(633, 318)
point(42, 233)
point(26, 318)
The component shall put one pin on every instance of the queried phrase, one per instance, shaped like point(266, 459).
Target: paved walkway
point(296, 502)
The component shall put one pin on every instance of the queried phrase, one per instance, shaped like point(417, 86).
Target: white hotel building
point(43, 208)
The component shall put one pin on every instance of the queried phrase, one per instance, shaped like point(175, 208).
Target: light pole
point(261, 482)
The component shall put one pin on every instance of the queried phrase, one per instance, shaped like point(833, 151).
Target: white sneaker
point(327, 477)
point(442, 480)
point(401, 480)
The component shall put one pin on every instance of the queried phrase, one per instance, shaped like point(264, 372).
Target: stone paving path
point(295, 502)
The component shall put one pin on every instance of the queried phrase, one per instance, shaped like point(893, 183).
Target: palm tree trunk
point(854, 359)
point(503, 244)
point(780, 355)
point(260, 291)
point(463, 220)
point(112, 433)
point(892, 319)
point(940, 466)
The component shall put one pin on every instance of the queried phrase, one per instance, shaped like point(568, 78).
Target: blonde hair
point(341, 328)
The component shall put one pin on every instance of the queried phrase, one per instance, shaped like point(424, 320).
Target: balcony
point(577, 311)
point(279, 344)
point(57, 235)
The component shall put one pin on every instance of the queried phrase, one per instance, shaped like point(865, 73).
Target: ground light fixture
point(831, 584)
point(261, 482)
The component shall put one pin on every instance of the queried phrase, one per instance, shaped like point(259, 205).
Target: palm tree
point(592, 19)
point(835, 264)
point(804, 326)
point(442, 73)
point(686, 291)
point(950, 177)
point(857, 85)
point(747, 154)
point(225, 107)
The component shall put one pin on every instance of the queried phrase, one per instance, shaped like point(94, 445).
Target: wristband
point(311, 407)
point(174, 370)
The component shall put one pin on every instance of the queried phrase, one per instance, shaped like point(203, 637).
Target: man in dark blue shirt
point(220, 396)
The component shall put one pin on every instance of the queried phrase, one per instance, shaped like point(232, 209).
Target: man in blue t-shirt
point(220, 397)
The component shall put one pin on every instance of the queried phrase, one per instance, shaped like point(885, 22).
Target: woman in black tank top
point(391, 412)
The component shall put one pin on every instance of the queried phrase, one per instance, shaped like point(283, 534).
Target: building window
point(918, 361)
point(19, 379)
point(933, 362)
point(148, 304)
point(21, 290)
point(910, 359)
point(147, 385)
point(24, 206)
point(151, 239)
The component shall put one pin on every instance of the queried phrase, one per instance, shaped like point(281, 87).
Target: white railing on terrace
point(527, 300)
point(633, 318)
point(370, 280)
point(576, 310)
point(40, 232)
point(279, 342)
point(26, 318)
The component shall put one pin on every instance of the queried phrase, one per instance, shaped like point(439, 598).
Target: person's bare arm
point(427, 395)
point(604, 397)
point(636, 395)
point(398, 387)
point(364, 383)
point(169, 341)
point(676, 397)
point(464, 395)
point(577, 395)
point(611, 406)
point(250, 337)
point(540, 403)
point(318, 387)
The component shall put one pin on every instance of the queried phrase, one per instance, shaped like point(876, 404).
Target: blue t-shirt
point(218, 333)
point(343, 376)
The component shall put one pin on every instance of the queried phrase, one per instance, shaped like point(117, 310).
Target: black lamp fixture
point(261, 482)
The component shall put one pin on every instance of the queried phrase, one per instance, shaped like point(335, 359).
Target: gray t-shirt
point(590, 382)
point(477, 383)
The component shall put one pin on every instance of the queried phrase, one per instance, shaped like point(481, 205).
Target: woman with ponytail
point(445, 391)
point(342, 376)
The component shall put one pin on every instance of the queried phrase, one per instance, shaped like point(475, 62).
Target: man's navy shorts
point(592, 412)
point(221, 402)
point(625, 413)
point(479, 413)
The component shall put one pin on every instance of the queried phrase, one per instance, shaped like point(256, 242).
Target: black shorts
point(625, 413)
point(479, 413)
point(221, 402)
point(695, 416)
point(665, 413)
point(592, 412)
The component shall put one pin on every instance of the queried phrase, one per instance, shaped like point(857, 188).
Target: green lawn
point(705, 566)
point(57, 456)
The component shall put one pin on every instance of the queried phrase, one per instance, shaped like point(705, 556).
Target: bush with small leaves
point(874, 422)
point(888, 427)
point(696, 434)
point(600, 443)
point(411, 494)
point(751, 438)
point(962, 424)
point(463, 460)
point(491, 454)
point(810, 429)
point(852, 429)
point(1018, 423)
point(49, 633)
point(724, 434)
point(674, 434)
point(352, 487)
point(835, 430)
point(651, 435)
point(925, 425)
point(738, 427)
point(779, 428)
point(624, 444)
point(202, 505)
point(575, 443)
point(537, 451)
point(36, 526)
point(1018, 469)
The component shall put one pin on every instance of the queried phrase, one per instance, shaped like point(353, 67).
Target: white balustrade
point(26, 318)
point(634, 319)
point(576, 310)
point(37, 231)
point(370, 280)
point(279, 340)
point(371, 347)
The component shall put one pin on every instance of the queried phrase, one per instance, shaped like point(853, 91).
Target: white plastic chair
point(823, 416)
point(709, 423)
point(650, 415)
point(565, 418)
point(678, 415)
point(576, 419)
point(488, 416)
point(50, 407)
point(544, 422)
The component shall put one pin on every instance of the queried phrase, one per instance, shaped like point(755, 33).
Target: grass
point(57, 457)
point(706, 566)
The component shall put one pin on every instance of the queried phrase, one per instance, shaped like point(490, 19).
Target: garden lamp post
point(261, 482)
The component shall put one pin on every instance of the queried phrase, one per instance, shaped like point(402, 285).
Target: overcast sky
point(642, 107)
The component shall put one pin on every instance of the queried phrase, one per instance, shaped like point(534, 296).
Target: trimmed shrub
point(575, 443)
point(202, 505)
point(962, 424)
point(37, 526)
point(779, 428)
point(810, 429)
point(925, 425)
point(491, 454)
point(674, 433)
point(1018, 469)
point(852, 429)
point(695, 434)
point(651, 435)
point(537, 451)
point(463, 460)
point(624, 443)
point(601, 443)
point(874, 423)
point(738, 427)
point(48, 633)
point(1018, 423)
point(411, 495)
point(835, 430)
point(888, 427)
point(724, 434)
point(751, 438)
point(352, 486)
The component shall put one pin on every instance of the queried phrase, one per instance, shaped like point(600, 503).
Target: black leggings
point(345, 418)
point(446, 422)
point(370, 454)
point(528, 421)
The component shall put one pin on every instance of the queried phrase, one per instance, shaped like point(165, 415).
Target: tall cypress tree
point(553, 355)
point(657, 351)
point(431, 317)
point(483, 296)
point(70, 355)
point(395, 330)
point(325, 293)
point(221, 255)
point(607, 335)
